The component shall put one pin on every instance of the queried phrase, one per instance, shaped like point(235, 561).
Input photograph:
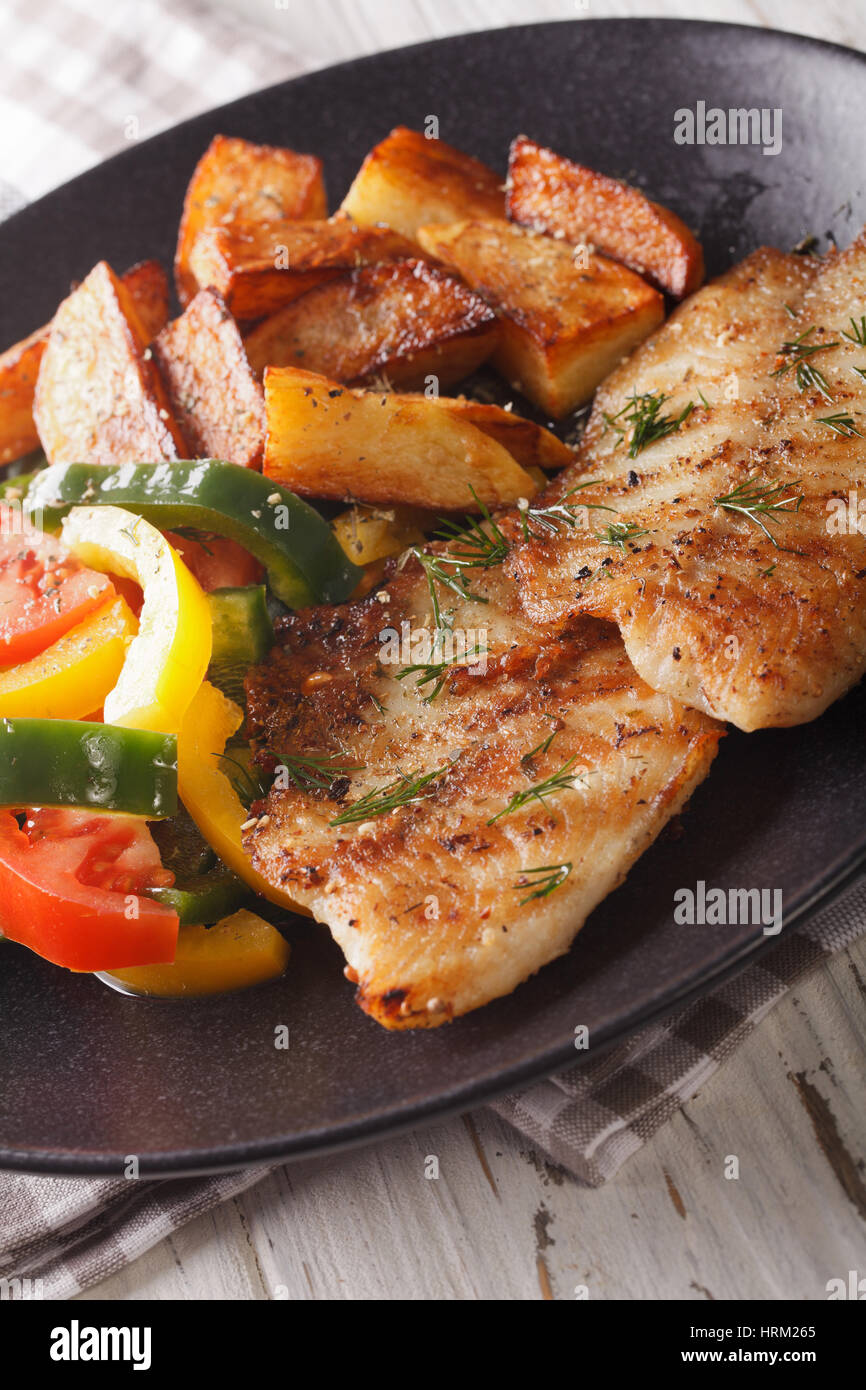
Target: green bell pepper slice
point(70, 762)
point(205, 890)
point(305, 562)
point(243, 634)
point(199, 902)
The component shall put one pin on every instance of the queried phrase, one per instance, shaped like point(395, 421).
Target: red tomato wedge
point(43, 590)
point(216, 562)
point(71, 885)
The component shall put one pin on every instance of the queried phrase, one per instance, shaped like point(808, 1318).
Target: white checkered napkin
point(80, 79)
point(11, 199)
point(61, 1235)
point(72, 1233)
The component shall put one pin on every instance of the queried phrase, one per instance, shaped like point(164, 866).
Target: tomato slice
point(216, 562)
point(71, 885)
point(43, 590)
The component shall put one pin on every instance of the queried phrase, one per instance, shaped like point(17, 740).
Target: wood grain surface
point(502, 1223)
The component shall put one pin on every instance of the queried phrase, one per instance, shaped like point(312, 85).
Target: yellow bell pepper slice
point(207, 792)
point(368, 534)
point(240, 951)
point(72, 677)
point(166, 663)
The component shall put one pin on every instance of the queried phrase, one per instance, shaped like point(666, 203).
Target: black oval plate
point(88, 1076)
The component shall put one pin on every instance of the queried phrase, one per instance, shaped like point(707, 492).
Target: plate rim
point(640, 21)
point(407, 1115)
point(354, 1133)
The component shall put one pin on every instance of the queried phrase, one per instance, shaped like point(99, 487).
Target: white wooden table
point(500, 1222)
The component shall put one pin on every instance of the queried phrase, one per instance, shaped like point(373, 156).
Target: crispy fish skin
point(431, 904)
point(710, 610)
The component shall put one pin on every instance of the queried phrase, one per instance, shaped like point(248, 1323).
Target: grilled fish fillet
point(710, 609)
point(437, 909)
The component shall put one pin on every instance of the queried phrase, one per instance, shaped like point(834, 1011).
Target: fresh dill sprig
point(841, 423)
point(474, 547)
point(619, 532)
point(189, 533)
point(858, 331)
point(437, 672)
point(560, 781)
point(641, 413)
point(757, 501)
point(316, 772)
point(610, 424)
point(603, 572)
point(861, 372)
point(480, 549)
point(403, 791)
point(543, 880)
point(792, 313)
point(542, 747)
point(247, 784)
point(558, 514)
point(435, 573)
point(796, 353)
point(765, 574)
point(809, 376)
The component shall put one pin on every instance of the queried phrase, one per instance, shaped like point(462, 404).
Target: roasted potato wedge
point(216, 400)
point(259, 269)
point(327, 440)
point(409, 180)
point(405, 321)
point(531, 445)
point(19, 365)
point(552, 194)
point(566, 321)
point(147, 282)
point(99, 397)
point(19, 368)
point(236, 181)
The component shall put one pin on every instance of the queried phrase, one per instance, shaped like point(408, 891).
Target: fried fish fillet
point(520, 793)
point(751, 608)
